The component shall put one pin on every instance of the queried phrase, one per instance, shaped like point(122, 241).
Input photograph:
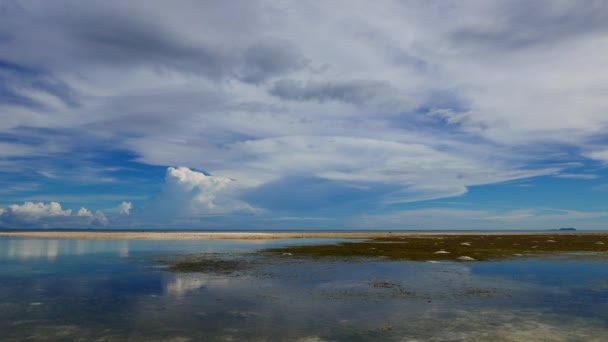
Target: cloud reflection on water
point(50, 249)
point(182, 284)
point(26, 248)
point(90, 297)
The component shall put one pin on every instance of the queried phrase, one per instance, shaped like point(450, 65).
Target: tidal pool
point(114, 290)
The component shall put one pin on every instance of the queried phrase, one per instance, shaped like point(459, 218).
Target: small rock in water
point(599, 243)
point(442, 252)
point(433, 261)
point(465, 244)
point(551, 241)
point(465, 258)
point(286, 254)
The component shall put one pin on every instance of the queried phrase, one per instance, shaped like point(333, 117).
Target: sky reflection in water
point(113, 290)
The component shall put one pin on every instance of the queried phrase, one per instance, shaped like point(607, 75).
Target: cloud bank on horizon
point(334, 114)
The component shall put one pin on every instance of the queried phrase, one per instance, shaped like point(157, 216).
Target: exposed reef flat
point(202, 263)
point(456, 247)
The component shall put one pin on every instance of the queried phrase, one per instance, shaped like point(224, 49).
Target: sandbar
point(151, 235)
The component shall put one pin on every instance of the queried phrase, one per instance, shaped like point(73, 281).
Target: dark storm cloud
point(357, 92)
point(270, 58)
point(523, 24)
point(115, 37)
point(123, 39)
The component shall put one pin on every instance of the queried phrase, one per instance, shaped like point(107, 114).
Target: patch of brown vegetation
point(480, 247)
point(202, 263)
point(383, 284)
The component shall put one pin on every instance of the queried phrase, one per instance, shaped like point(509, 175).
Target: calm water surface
point(112, 290)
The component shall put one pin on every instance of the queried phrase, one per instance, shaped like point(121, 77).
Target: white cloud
point(578, 176)
point(202, 187)
point(601, 155)
point(431, 99)
point(191, 193)
point(416, 170)
point(84, 212)
point(125, 208)
point(48, 215)
point(99, 219)
point(15, 150)
point(31, 210)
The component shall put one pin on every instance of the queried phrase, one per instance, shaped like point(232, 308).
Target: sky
point(304, 114)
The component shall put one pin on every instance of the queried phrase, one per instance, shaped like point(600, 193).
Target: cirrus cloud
point(391, 102)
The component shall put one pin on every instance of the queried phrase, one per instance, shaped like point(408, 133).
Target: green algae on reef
point(477, 247)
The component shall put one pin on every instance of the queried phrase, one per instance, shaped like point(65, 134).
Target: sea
point(123, 290)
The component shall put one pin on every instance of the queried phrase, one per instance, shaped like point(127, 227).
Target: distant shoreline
point(262, 235)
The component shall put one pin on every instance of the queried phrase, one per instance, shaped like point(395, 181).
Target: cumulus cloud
point(33, 211)
point(125, 208)
point(84, 212)
point(48, 215)
point(202, 188)
point(99, 219)
point(190, 193)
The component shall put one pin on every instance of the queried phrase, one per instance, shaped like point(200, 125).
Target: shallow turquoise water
point(109, 290)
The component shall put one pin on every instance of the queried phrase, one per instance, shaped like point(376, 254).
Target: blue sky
point(300, 115)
